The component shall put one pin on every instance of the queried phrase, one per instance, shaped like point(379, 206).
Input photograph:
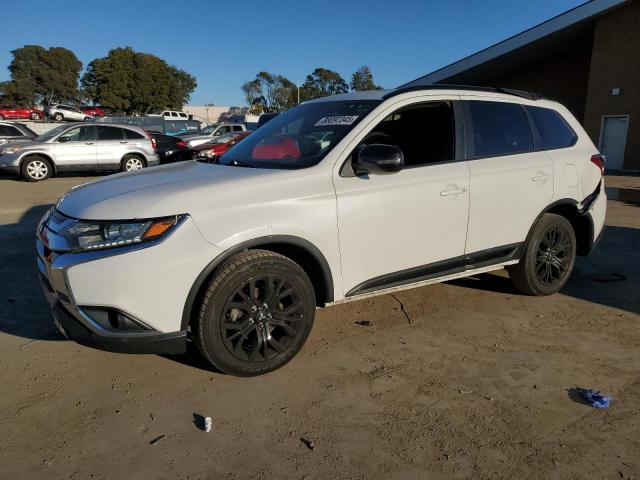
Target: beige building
point(205, 114)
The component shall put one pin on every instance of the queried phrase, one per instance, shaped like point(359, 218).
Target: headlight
point(84, 236)
point(12, 149)
point(207, 153)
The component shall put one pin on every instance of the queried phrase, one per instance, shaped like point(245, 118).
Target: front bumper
point(76, 325)
point(10, 162)
point(145, 284)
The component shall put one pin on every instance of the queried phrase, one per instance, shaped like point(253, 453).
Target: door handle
point(89, 143)
point(452, 191)
point(124, 142)
point(541, 178)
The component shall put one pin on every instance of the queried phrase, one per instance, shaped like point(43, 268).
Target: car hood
point(192, 136)
point(153, 192)
point(8, 143)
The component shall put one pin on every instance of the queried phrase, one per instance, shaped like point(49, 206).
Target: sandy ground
point(473, 381)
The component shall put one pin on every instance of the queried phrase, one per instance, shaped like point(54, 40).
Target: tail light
point(599, 161)
point(181, 144)
point(153, 140)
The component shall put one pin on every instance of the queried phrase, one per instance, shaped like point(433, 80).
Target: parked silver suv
point(80, 147)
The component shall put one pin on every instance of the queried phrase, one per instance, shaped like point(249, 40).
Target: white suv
point(67, 112)
point(336, 199)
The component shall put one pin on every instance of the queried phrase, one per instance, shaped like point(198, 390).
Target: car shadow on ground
point(17, 178)
point(24, 311)
point(609, 276)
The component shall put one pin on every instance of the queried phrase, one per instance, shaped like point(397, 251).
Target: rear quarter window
point(498, 128)
point(553, 130)
point(8, 131)
point(131, 135)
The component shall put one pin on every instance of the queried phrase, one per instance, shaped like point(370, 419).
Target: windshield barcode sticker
point(338, 120)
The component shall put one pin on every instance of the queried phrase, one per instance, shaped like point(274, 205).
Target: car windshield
point(208, 129)
point(300, 137)
point(45, 137)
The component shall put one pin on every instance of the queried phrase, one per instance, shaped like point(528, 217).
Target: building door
point(613, 138)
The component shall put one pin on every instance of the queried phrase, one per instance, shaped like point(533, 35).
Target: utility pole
point(207, 106)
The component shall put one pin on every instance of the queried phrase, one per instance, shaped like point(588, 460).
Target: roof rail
point(442, 86)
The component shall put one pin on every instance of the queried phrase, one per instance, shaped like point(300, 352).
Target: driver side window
point(78, 134)
point(424, 132)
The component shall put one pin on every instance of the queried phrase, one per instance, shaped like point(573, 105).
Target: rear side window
point(8, 131)
point(237, 128)
point(109, 133)
point(131, 135)
point(499, 128)
point(554, 131)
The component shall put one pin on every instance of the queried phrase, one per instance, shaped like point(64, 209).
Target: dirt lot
point(467, 379)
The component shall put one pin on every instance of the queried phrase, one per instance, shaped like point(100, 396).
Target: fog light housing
point(113, 320)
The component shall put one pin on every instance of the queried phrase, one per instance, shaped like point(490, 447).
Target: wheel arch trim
point(25, 156)
point(259, 242)
point(581, 222)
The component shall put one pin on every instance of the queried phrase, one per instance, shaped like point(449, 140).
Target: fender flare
point(255, 243)
point(584, 245)
point(38, 154)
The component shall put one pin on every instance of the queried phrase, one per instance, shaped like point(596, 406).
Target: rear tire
point(36, 169)
point(34, 116)
point(58, 117)
point(256, 313)
point(131, 163)
point(548, 259)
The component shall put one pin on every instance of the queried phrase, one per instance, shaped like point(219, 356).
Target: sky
point(225, 43)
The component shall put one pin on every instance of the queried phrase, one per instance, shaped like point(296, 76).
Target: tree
point(321, 83)
point(136, 82)
point(362, 79)
point(39, 75)
point(269, 92)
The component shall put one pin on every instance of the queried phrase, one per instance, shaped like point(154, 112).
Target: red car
point(276, 147)
point(93, 111)
point(12, 112)
point(217, 147)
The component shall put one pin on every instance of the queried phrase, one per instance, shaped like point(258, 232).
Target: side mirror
point(64, 139)
point(377, 159)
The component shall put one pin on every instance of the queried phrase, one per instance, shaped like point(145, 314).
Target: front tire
point(548, 259)
point(36, 169)
point(256, 313)
point(58, 117)
point(34, 116)
point(131, 163)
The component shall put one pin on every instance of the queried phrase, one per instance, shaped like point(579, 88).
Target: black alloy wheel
point(553, 256)
point(548, 258)
point(256, 313)
point(262, 318)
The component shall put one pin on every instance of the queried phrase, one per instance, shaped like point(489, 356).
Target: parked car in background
point(384, 190)
point(67, 112)
point(170, 149)
point(170, 115)
point(265, 117)
point(15, 132)
point(211, 150)
point(79, 147)
point(212, 130)
point(94, 111)
point(12, 112)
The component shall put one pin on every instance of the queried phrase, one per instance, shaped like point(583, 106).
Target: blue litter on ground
point(595, 398)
